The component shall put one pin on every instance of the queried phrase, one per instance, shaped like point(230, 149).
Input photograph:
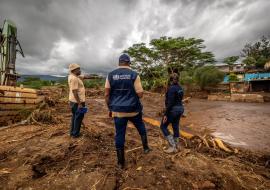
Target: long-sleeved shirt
point(174, 97)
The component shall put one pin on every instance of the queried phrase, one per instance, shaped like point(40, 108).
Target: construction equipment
point(12, 99)
point(9, 43)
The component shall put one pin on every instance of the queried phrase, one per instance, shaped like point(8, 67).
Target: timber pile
point(16, 100)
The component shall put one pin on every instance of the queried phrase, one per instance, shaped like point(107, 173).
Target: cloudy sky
point(54, 33)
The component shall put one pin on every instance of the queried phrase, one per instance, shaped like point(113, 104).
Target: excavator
point(13, 99)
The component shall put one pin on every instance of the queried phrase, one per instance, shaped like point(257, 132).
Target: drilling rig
point(9, 44)
point(13, 99)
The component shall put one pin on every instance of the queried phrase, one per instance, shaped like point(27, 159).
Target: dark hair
point(174, 78)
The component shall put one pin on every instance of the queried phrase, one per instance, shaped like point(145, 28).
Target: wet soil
point(244, 125)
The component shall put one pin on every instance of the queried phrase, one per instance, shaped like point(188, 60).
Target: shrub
point(208, 76)
point(94, 83)
point(233, 77)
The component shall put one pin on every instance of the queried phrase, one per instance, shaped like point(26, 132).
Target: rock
point(213, 97)
point(139, 168)
point(207, 185)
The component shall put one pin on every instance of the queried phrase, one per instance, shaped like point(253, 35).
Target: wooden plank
point(4, 100)
point(6, 107)
point(18, 94)
point(17, 89)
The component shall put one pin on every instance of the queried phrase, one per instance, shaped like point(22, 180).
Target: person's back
point(174, 97)
point(123, 91)
point(174, 110)
point(123, 96)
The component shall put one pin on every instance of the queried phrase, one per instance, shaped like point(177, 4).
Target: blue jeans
point(76, 120)
point(121, 125)
point(172, 118)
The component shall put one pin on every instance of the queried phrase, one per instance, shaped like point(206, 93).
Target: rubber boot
point(172, 145)
point(121, 157)
point(177, 143)
point(146, 148)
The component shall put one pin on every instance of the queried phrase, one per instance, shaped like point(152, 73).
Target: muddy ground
point(45, 157)
point(245, 125)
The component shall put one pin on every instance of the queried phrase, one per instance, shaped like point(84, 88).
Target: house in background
point(253, 80)
point(237, 68)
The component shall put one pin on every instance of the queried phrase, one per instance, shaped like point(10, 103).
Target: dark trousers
point(76, 119)
point(172, 118)
point(121, 125)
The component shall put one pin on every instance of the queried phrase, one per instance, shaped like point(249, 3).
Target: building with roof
point(247, 80)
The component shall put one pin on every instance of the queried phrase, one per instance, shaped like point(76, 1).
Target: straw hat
point(73, 66)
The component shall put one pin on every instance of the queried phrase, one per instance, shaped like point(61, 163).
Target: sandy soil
point(45, 157)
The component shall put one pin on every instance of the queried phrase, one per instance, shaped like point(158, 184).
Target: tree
point(230, 61)
point(166, 55)
point(179, 53)
point(257, 54)
point(233, 77)
point(208, 76)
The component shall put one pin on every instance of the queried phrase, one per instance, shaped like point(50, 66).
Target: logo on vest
point(121, 77)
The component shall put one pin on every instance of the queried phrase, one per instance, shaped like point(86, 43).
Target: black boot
point(121, 157)
point(146, 148)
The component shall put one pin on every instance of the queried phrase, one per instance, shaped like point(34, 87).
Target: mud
point(45, 157)
point(244, 125)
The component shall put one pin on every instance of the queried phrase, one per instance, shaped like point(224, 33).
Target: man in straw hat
point(76, 98)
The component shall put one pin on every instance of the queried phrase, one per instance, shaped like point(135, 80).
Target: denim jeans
point(172, 118)
point(76, 119)
point(121, 125)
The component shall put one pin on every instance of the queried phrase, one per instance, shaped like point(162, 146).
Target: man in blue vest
point(123, 91)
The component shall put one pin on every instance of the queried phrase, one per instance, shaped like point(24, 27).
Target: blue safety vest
point(123, 97)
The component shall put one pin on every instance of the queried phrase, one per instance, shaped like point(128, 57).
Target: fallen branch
point(5, 171)
point(131, 150)
point(216, 142)
point(94, 186)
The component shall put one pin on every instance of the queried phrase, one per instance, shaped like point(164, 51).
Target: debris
point(5, 171)
point(221, 145)
point(207, 185)
point(186, 135)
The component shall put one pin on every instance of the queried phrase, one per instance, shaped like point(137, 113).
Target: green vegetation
point(94, 83)
point(35, 82)
point(230, 61)
point(208, 76)
point(155, 61)
point(257, 54)
point(233, 77)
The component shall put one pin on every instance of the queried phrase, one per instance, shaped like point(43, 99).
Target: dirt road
point(45, 157)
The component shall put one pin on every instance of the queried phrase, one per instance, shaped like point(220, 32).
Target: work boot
point(146, 148)
point(121, 157)
point(172, 145)
point(177, 143)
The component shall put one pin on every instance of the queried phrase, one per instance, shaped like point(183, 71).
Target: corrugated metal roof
point(257, 76)
point(251, 77)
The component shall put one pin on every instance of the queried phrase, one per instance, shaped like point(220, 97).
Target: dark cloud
point(54, 33)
